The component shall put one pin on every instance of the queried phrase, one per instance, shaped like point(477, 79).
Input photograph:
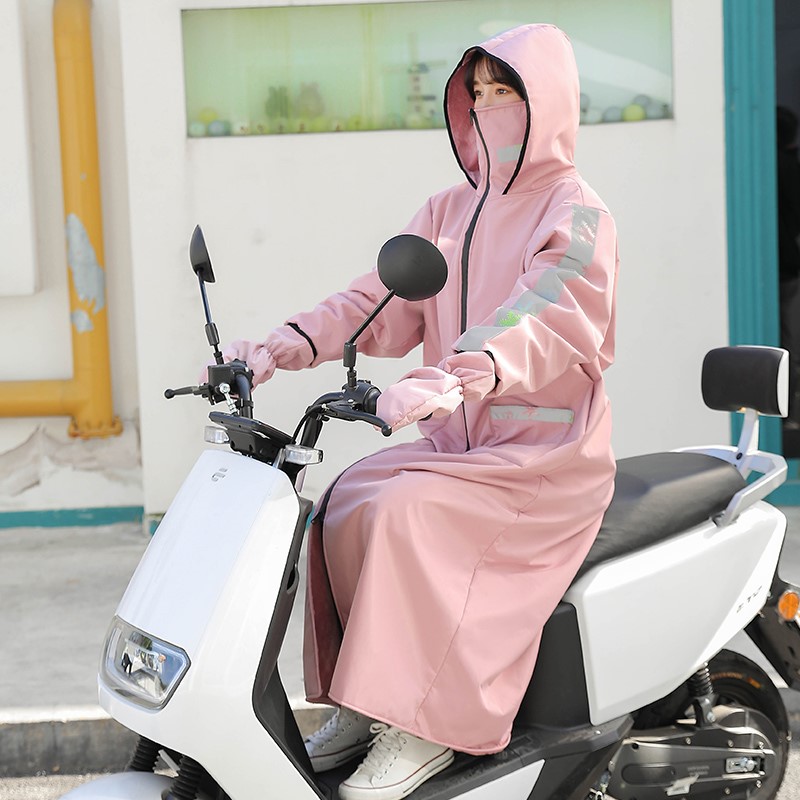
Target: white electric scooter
point(632, 696)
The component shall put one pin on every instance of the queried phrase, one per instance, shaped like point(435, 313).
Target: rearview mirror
point(412, 267)
point(199, 258)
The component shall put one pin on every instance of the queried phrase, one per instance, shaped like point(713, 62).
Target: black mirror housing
point(199, 258)
point(412, 267)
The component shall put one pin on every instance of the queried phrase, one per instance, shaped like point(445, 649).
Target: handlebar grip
point(170, 393)
point(370, 401)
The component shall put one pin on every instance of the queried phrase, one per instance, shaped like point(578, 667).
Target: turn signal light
point(789, 604)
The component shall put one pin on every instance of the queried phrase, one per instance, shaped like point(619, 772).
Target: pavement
point(59, 588)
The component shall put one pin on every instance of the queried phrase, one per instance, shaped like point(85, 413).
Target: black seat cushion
point(658, 495)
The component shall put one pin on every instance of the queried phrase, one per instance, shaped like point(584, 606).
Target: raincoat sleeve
point(395, 331)
point(561, 311)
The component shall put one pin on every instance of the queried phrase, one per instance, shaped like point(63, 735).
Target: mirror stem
point(371, 317)
point(349, 354)
point(349, 361)
point(211, 328)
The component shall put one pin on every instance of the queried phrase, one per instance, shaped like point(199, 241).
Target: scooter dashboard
point(251, 437)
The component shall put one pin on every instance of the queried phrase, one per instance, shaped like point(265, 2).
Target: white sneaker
point(344, 736)
point(397, 763)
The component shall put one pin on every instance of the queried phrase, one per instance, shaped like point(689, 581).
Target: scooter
point(633, 694)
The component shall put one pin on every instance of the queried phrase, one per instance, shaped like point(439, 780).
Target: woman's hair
point(488, 66)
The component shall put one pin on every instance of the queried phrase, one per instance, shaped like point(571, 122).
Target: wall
point(289, 219)
point(41, 468)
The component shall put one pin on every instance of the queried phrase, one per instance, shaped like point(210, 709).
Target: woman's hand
point(254, 354)
point(436, 391)
point(421, 393)
point(284, 348)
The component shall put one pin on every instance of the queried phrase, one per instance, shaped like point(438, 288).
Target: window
point(383, 66)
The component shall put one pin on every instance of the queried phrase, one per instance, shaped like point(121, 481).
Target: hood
point(519, 145)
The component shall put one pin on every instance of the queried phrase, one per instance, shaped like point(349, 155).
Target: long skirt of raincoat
point(431, 576)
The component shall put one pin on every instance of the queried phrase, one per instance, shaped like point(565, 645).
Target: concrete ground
point(58, 592)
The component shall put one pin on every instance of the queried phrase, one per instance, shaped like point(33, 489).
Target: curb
point(81, 740)
point(62, 741)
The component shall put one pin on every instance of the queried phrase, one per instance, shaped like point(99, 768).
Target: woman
point(434, 565)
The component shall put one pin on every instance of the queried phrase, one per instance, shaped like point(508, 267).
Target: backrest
point(747, 376)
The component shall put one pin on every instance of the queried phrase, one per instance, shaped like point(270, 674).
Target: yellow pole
point(87, 397)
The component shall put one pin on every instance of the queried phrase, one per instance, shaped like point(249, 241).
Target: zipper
point(465, 250)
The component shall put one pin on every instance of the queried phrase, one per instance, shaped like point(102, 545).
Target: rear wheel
point(737, 682)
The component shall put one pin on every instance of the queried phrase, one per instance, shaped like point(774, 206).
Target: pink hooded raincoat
point(434, 565)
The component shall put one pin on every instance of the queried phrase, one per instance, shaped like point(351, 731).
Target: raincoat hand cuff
point(255, 355)
point(422, 392)
point(475, 371)
point(290, 347)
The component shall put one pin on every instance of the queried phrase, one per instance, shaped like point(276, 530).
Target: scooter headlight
point(140, 667)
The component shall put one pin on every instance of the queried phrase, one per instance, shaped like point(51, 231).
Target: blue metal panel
point(749, 27)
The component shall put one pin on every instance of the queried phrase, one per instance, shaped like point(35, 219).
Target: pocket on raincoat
point(528, 425)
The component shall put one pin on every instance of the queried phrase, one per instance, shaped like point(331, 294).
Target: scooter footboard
point(775, 631)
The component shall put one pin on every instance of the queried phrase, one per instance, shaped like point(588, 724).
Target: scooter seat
point(659, 495)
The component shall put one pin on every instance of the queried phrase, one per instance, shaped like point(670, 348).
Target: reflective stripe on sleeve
point(532, 413)
point(549, 285)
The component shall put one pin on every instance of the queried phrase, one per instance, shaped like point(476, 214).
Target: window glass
point(378, 66)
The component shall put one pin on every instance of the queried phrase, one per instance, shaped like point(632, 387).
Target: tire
point(740, 682)
point(737, 681)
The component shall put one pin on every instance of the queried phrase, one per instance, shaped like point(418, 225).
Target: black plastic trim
point(557, 695)
point(571, 777)
point(270, 704)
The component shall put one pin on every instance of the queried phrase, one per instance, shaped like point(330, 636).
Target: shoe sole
point(404, 788)
point(332, 760)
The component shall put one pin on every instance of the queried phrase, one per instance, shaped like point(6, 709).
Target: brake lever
point(347, 412)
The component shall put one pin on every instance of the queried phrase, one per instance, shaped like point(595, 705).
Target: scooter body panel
point(225, 503)
point(633, 611)
point(209, 583)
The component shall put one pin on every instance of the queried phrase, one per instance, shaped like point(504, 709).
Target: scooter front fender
point(122, 786)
